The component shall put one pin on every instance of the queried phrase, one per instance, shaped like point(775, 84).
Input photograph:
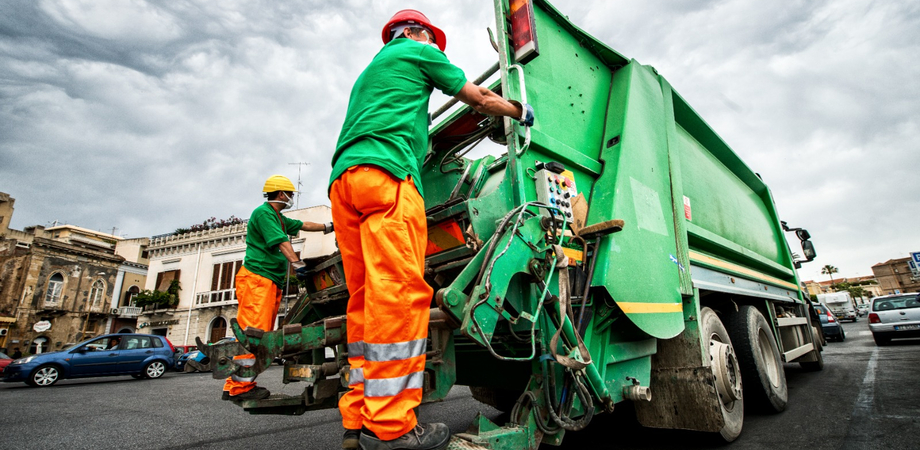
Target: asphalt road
point(866, 398)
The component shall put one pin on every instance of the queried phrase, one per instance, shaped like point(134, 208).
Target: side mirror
point(802, 234)
point(808, 249)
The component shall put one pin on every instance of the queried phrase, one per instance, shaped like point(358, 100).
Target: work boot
point(225, 395)
point(256, 393)
point(428, 436)
point(350, 439)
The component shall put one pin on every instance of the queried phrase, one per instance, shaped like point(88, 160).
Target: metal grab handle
point(522, 87)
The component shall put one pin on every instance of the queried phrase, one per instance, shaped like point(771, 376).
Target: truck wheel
point(761, 365)
point(500, 399)
point(726, 371)
point(814, 366)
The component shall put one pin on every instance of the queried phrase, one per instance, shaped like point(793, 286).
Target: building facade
point(58, 285)
point(205, 264)
point(894, 276)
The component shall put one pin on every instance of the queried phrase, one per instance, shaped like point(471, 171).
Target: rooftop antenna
point(299, 184)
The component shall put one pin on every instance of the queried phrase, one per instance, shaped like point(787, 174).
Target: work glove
point(327, 228)
point(526, 118)
point(300, 270)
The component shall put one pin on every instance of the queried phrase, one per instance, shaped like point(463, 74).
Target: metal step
point(458, 443)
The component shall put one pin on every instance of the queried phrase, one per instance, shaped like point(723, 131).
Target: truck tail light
point(873, 318)
point(523, 35)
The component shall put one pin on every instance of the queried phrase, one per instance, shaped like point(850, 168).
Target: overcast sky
point(148, 116)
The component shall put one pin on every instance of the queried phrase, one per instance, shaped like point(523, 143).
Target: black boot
point(425, 436)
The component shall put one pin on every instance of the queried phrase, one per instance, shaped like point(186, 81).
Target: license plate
point(906, 327)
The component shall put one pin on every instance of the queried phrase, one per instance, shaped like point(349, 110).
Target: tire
point(154, 369)
point(500, 399)
point(761, 365)
point(815, 366)
point(44, 376)
point(727, 376)
point(843, 336)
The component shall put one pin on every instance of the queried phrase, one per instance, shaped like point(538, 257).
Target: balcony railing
point(215, 297)
point(129, 311)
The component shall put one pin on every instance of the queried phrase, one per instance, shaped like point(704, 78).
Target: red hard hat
point(411, 16)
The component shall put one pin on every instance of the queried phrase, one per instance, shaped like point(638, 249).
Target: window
point(55, 287)
point(129, 296)
point(96, 293)
point(165, 278)
point(224, 275)
point(136, 342)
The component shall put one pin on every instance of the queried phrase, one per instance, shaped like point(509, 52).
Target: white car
point(895, 316)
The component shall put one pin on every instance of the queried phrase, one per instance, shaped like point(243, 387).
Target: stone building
point(894, 276)
point(58, 285)
point(205, 263)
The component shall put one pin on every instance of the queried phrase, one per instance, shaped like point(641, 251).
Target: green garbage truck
point(616, 254)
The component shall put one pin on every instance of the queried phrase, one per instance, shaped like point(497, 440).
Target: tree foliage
point(166, 299)
point(210, 224)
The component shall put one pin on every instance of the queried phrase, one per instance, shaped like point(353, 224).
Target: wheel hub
point(726, 371)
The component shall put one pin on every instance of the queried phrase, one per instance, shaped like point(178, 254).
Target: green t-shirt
point(387, 120)
point(263, 235)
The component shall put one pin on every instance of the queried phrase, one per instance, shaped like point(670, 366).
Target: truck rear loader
point(616, 254)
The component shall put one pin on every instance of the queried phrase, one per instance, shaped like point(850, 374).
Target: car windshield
point(902, 302)
point(3, 356)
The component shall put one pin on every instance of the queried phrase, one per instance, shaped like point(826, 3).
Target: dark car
point(829, 323)
point(895, 316)
point(138, 355)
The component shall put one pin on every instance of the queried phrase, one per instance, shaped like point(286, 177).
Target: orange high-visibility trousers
point(259, 299)
point(381, 230)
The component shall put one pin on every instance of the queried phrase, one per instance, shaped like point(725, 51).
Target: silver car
point(895, 316)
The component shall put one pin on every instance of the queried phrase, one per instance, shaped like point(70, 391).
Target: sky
point(147, 116)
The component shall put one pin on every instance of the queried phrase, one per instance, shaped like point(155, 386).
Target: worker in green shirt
point(381, 229)
point(259, 282)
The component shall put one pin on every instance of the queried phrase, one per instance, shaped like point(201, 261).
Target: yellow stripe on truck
point(706, 259)
point(650, 308)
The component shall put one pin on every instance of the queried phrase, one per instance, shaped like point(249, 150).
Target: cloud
point(148, 116)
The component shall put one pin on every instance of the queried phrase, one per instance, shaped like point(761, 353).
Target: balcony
point(129, 312)
point(216, 298)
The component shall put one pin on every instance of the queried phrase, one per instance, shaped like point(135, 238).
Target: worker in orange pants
point(259, 281)
point(379, 214)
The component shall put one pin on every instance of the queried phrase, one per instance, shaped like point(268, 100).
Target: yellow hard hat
point(278, 183)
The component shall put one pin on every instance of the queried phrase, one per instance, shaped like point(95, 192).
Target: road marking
point(858, 433)
point(864, 333)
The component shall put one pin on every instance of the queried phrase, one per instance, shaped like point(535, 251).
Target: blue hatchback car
point(138, 355)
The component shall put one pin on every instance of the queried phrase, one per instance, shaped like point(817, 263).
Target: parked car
point(138, 355)
point(829, 323)
point(862, 309)
point(4, 361)
point(895, 316)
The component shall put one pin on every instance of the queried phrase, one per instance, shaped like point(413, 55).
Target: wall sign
point(42, 326)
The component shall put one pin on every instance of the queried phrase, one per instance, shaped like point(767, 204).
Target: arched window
point(55, 288)
point(129, 296)
point(96, 293)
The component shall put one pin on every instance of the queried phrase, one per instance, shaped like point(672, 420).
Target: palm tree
point(829, 270)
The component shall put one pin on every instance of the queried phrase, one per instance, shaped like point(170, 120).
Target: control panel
point(558, 190)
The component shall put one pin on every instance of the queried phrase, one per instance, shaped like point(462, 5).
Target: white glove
point(327, 228)
point(298, 265)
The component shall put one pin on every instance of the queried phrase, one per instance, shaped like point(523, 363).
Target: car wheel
point(761, 365)
point(726, 371)
point(154, 369)
point(843, 336)
point(44, 376)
